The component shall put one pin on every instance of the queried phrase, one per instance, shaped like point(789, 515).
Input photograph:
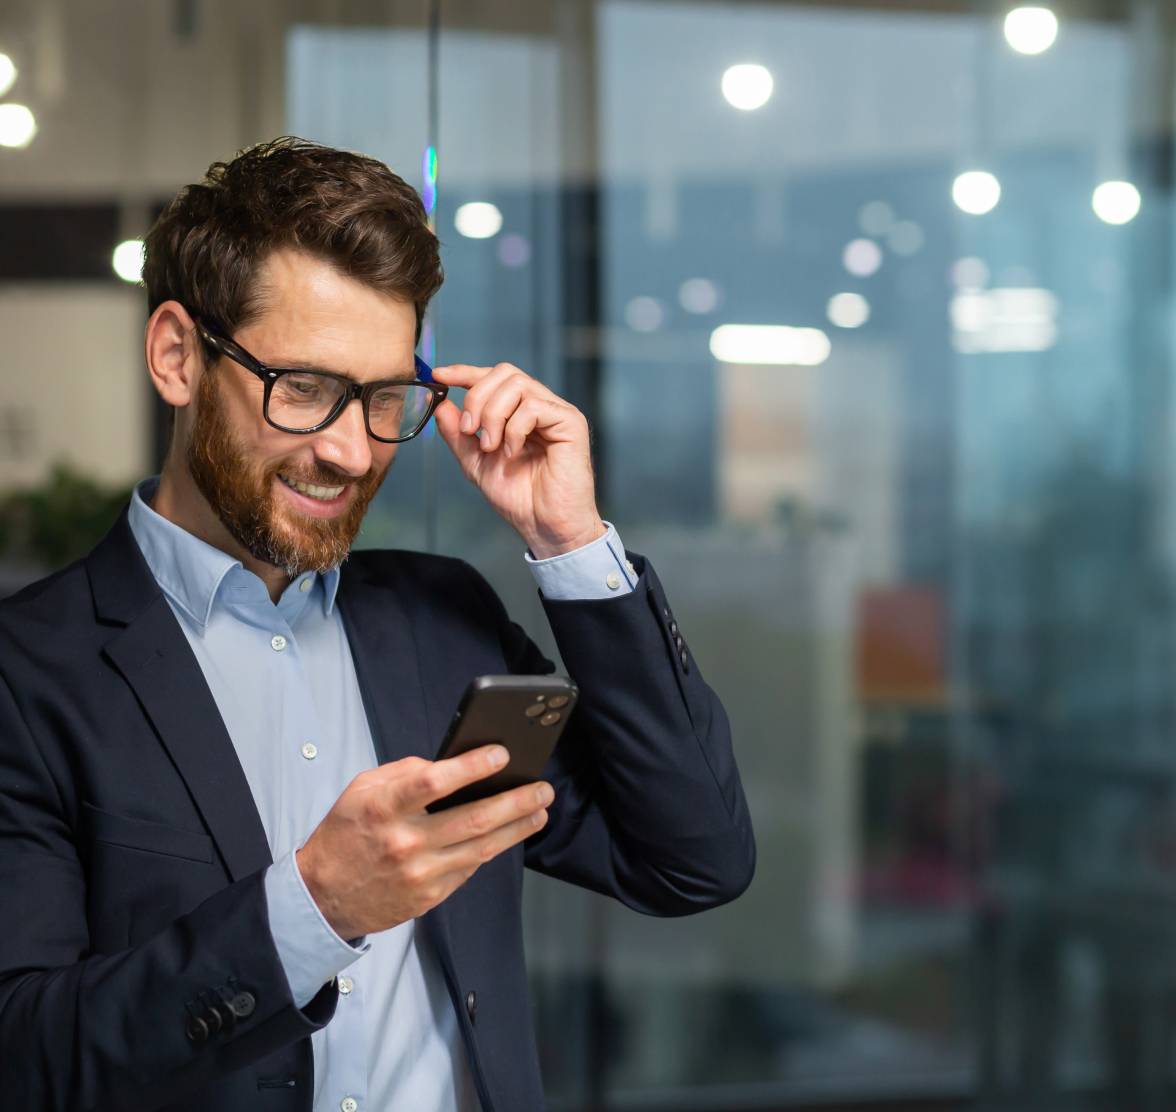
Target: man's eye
point(302, 387)
point(391, 398)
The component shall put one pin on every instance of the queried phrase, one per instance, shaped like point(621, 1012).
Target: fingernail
point(467, 422)
point(544, 795)
point(498, 756)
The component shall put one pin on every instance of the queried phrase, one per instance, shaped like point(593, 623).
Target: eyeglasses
point(307, 401)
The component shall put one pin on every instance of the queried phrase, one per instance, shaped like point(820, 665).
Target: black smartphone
point(525, 714)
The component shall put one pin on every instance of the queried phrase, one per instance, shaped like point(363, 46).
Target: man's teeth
point(312, 491)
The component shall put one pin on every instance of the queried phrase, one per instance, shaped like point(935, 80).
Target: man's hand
point(379, 858)
point(526, 450)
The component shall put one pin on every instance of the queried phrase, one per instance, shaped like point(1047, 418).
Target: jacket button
point(685, 661)
point(197, 1029)
point(213, 1018)
point(472, 1005)
point(243, 1004)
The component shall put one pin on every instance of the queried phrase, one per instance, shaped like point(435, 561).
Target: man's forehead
point(312, 312)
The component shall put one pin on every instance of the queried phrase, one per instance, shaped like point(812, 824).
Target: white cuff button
point(346, 984)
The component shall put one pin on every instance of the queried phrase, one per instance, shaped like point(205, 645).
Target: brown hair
point(348, 209)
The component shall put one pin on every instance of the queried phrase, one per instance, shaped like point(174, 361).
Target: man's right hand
point(379, 858)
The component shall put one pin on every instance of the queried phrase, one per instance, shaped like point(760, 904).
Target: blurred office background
point(871, 307)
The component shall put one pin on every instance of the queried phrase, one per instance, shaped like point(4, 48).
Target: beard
point(242, 495)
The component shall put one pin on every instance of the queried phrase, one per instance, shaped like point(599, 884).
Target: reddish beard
point(244, 499)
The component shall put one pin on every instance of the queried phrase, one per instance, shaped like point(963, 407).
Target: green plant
point(60, 520)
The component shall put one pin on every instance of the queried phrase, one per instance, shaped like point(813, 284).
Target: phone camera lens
point(550, 719)
point(534, 710)
point(558, 701)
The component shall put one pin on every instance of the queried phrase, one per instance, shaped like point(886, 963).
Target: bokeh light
point(478, 220)
point(747, 86)
point(976, 192)
point(644, 314)
point(7, 74)
point(127, 260)
point(17, 125)
point(848, 310)
point(698, 295)
point(862, 257)
point(1116, 202)
point(1030, 30)
point(770, 345)
point(514, 250)
point(876, 218)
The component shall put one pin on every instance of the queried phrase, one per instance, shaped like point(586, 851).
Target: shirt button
point(310, 750)
point(632, 570)
point(472, 1005)
point(304, 586)
point(348, 1104)
point(278, 643)
point(346, 984)
point(613, 580)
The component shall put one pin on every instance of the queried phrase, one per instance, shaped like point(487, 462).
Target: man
point(221, 888)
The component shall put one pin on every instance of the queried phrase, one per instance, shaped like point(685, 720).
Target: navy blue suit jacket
point(132, 855)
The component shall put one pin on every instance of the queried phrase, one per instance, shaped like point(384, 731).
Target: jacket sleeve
point(81, 1031)
point(648, 802)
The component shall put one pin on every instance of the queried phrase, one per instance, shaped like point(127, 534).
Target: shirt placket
point(312, 755)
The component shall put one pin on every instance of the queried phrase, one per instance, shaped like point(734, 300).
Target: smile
point(322, 493)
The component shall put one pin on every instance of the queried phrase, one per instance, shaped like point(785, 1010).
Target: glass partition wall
point(870, 306)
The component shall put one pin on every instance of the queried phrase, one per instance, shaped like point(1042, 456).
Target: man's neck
point(178, 499)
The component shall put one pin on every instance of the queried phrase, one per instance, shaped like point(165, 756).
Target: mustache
point(325, 475)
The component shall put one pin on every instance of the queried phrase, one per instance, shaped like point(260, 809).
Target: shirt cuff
point(310, 951)
point(598, 569)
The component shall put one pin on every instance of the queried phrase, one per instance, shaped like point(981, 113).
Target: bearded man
point(222, 885)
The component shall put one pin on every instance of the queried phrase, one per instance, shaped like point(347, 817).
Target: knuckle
point(476, 824)
point(413, 875)
point(400, 845)
point(431, 781)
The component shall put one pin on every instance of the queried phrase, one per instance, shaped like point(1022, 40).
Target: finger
point(536, 414)
point(478, 395)
point(465, 448)
point(466, 857)
point(470, 821)
point(461, 375)
point(434, 780)
point(498, 408)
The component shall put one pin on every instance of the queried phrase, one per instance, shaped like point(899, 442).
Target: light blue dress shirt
point(284, 682)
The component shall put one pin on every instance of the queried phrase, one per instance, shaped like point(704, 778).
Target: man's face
point(247, 470)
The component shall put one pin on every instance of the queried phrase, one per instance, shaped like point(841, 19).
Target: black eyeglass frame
point(222, 345)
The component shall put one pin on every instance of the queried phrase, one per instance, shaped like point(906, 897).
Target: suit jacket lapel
point(386, 666)
point(154, 657)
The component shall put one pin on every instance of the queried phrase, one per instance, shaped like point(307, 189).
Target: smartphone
point(525, 714)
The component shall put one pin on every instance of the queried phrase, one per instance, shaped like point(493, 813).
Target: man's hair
point(350, 210)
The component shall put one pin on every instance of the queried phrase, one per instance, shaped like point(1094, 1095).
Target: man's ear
point(174, 353)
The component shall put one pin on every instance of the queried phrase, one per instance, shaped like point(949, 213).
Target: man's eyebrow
point(315, 368)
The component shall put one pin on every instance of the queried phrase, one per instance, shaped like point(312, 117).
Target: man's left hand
point(527, 451)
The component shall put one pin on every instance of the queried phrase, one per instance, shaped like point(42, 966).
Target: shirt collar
point(191, 571)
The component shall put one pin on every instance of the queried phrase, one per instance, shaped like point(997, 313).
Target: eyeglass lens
point(300, 400)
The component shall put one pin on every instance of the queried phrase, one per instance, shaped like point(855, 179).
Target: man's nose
point(344, 442)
